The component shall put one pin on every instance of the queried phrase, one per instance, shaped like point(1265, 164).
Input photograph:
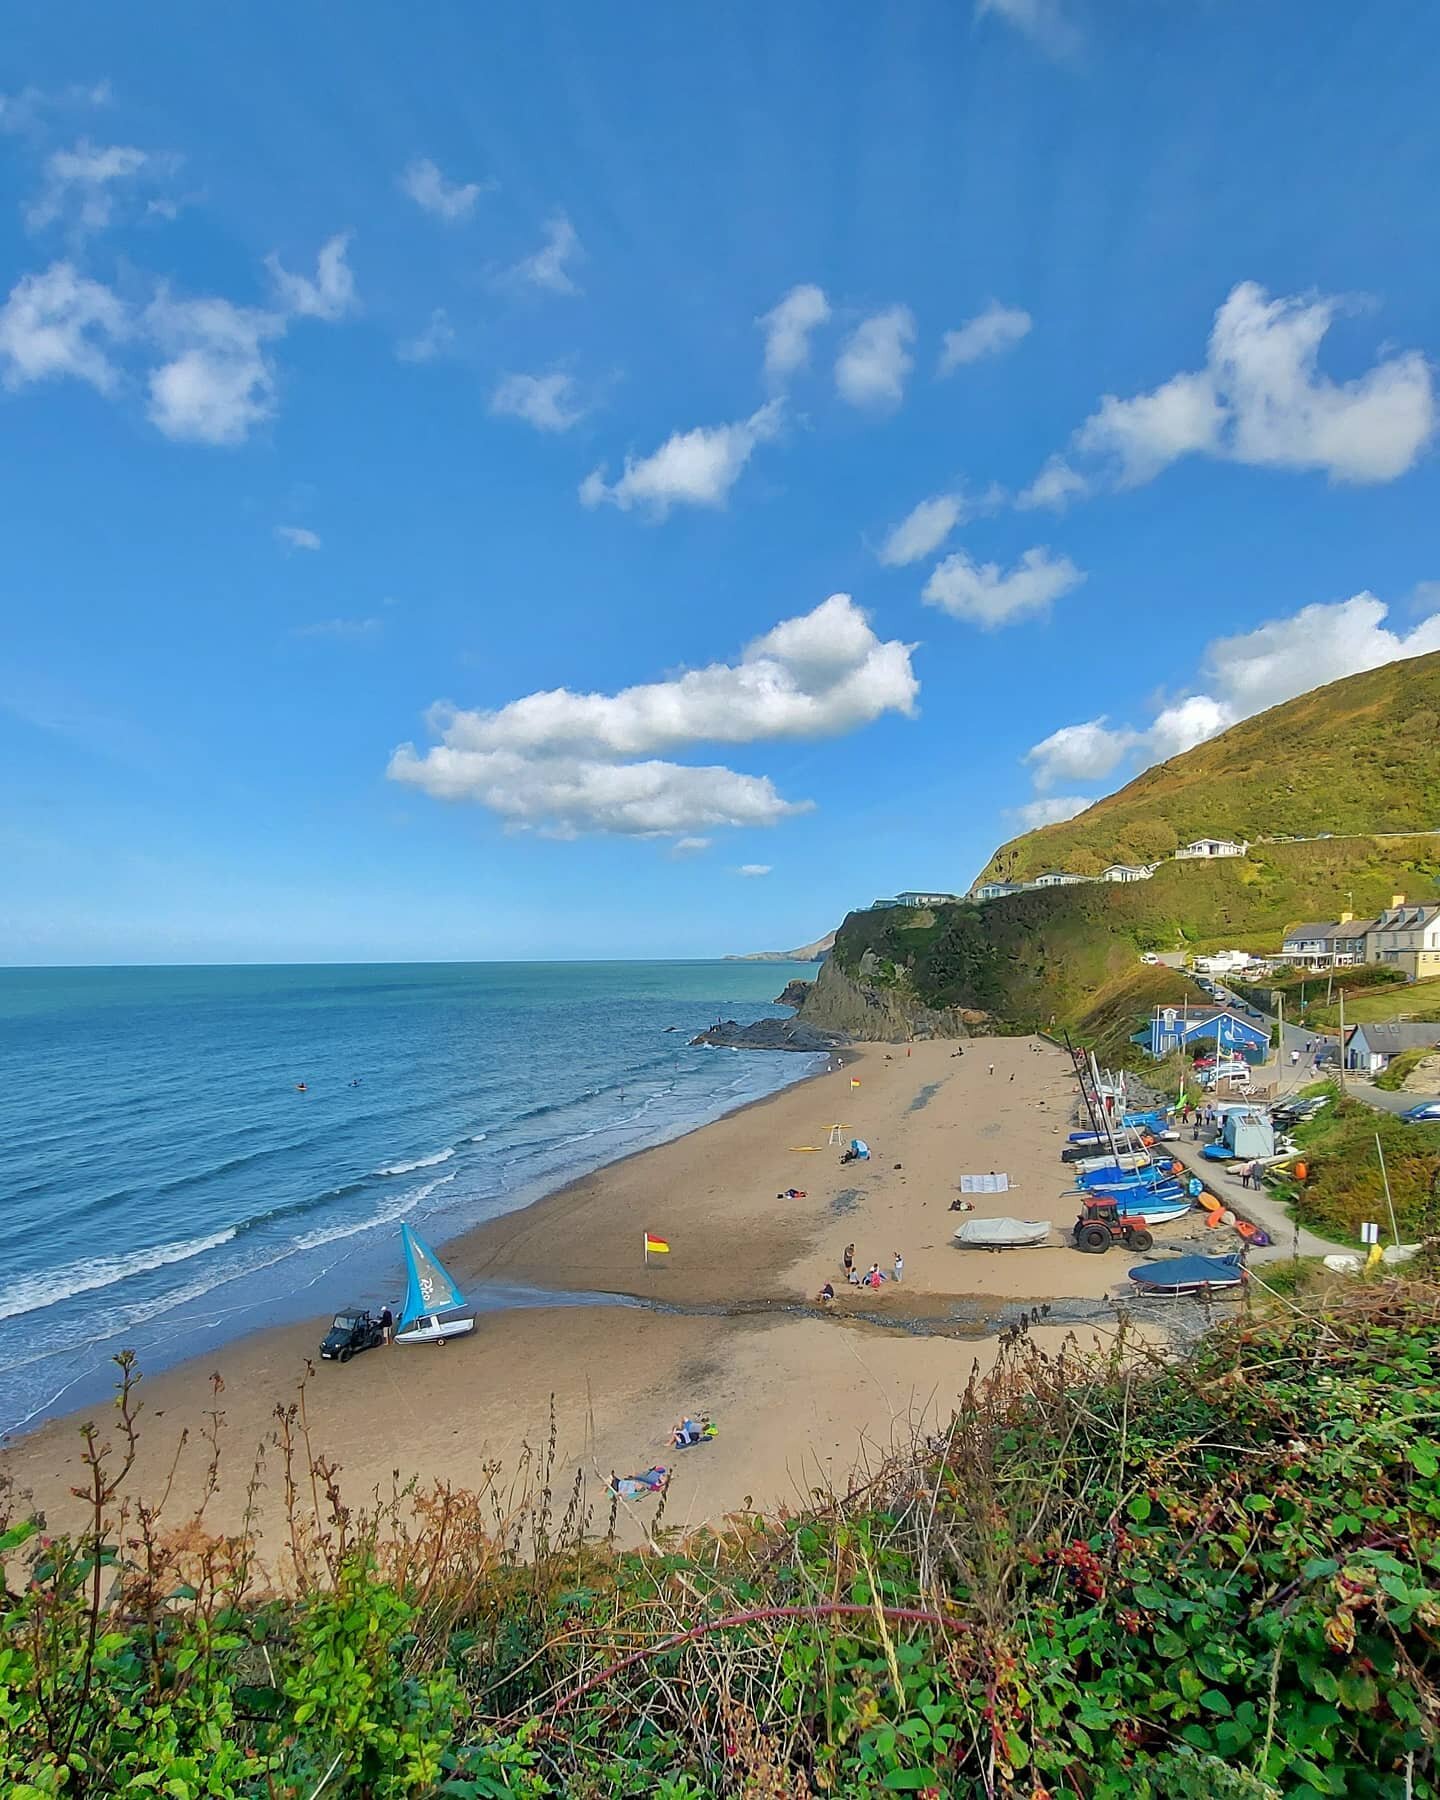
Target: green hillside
point(1047, 956)
point(1358, 756)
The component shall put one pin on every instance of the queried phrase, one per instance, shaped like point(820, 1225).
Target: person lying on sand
point(636, 1487)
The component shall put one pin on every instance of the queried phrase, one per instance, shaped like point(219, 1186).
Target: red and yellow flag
point(656, 1246)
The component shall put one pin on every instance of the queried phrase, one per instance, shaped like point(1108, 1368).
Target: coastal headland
point(727, 1323)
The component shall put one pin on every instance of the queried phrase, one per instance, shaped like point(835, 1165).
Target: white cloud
point(1044, 22)
point(330, 295)
point(565, 763)
point(753, 869)
point(691, 468)
point(433, 341)
point(81, 183)
point(923, 529)
point(298, 537)
point(1053, 810)
point(1184, 724)
point(61, 323)
point(545, 401)
point(1260, 400)
point(872, 368)
point(442, 199)
point(547, 268)
point(1246, 674)
point(990, 596)
point(1079, 753)
point(340, 628)
point(690, 846)
point(997, 329)
point(1146, 434)
point(787, 327)
point(1056, 486)
point(219, 382)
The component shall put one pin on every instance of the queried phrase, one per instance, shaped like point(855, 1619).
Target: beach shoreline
point(728, 1323)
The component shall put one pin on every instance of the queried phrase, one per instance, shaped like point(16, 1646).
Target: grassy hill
point(1418, 1001)
point(1358, 756)
point(1049, 957)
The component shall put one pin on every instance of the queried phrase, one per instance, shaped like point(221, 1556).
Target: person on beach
point(847, 1261)
point(1012, 1074)
point(387, 1324)
point(992, 1068)
point(826, 1294)
point(899, 1267)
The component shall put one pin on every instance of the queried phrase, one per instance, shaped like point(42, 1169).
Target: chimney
point(1397, 899)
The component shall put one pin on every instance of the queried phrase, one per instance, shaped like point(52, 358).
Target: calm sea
point(165, 1185)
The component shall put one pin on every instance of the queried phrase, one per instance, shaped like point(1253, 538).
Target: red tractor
point(1102, 1224)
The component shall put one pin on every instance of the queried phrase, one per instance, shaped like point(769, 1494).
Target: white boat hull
point(434, 1330)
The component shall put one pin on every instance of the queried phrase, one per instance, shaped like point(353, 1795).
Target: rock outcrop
point(794, 993)
point(769, 1034)
point(874, 1003)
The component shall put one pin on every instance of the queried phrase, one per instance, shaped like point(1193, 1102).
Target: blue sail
point(430, 1288)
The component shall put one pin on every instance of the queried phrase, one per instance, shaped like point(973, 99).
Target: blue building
point(1190, 1027)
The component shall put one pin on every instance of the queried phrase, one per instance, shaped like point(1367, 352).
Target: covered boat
point(1189, 1275)
point(1002, 1234)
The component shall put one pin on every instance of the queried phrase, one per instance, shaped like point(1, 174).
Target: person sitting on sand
point(826, 1294)
point(687, 1432)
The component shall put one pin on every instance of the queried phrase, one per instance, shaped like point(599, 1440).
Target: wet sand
point(802, 1395)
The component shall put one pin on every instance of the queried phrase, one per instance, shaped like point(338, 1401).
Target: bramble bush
point(1209, 1579)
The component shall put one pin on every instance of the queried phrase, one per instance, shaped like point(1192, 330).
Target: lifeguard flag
point(854, 1081)
point(656, 1246)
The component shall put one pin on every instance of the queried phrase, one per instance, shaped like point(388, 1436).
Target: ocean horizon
point(195, 1151)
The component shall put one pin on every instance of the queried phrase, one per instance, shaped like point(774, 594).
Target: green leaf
point(1423, 1459)
point(1139, 1508)
point(908, 1781)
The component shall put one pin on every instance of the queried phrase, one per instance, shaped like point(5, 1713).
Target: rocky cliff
point(875, 1001)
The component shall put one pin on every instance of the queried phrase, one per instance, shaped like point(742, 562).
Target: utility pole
point(1342, 1037)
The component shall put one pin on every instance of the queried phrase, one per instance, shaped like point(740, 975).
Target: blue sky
point(371, 379)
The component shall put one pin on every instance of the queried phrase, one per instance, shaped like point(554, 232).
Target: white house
point(1369, 1048)
point(1128, 872)
point(1408, 937)
point(913, 898)
point(1058, 878)
point(1211, 847)
point(997, 890)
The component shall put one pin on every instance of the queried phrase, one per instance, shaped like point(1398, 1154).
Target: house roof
point(1401, 917)
point(1186, 1016)
point(1389, 1039)
point(1297, 933)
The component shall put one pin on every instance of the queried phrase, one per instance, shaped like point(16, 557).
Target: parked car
point(1426, 1113)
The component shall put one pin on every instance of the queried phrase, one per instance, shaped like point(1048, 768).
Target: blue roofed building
point(1191, 1028)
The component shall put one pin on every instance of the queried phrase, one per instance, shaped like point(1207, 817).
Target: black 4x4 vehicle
point(354, 1329)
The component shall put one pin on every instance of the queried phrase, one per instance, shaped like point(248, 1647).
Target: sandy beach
point(803, 1396)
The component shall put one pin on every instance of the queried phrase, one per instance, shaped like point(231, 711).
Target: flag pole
point(645, 1243)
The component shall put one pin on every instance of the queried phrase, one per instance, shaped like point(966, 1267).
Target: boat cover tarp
point(993, 1234)
point(1189, 1271)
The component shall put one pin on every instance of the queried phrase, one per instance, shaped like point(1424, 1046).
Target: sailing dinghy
point(430, 1290)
